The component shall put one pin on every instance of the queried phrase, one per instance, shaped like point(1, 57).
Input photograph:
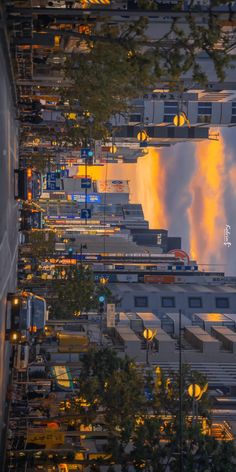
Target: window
point(140, 302)
point(233, 117)
point(204, 108)
point(195, 302)
point(170, 110)
point(222, 302)
point(136, 117)
point(204, 112)
point(168, 302)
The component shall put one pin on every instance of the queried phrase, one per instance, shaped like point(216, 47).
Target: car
point(27, 183)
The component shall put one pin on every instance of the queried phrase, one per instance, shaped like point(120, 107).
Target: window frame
point(222, 298)
point(137, 305)
point(167, 306)
point(190, 299)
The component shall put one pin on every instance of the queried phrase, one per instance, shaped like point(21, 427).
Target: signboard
point(180, 254)
point(111, 315)
point(113, 186)
point(85, 153)
point(52, 181)
point(86, 183)
point(81, 198)
point(64, 172)
point(159, 279)
point(85, 214)
point(46, 437)
point(127, 277)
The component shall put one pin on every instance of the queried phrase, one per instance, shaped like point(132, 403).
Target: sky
point(189, 189)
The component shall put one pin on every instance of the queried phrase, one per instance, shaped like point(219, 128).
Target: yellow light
point(71, 116)
point(113, 149)
point(148, 334)
point(103, 280)
point(15, 301)
point(142, 136)
point(36, 141)
point(14, 337)
point(179, 120)
point(57, 40)
point(29, 172)
point(194, 391)
point(29, 196)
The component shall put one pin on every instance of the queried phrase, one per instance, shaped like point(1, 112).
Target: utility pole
point(180, 396)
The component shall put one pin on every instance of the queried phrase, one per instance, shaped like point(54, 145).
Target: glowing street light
point(148, 334)
point(180, 119)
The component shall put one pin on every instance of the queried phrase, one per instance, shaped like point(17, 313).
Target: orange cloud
point(207, 213)
point(148, 188)
point(147, 184)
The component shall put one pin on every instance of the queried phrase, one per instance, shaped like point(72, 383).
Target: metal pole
point(147, 352)
point(180, 396)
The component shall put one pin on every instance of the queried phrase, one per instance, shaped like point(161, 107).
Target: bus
point(27, 314)
point(27, 184)
point(21, 357)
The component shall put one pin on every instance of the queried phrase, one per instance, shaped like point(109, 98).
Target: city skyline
point(197, 205)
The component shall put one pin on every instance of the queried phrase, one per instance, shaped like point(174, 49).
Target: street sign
point(85, 153)
point(86, 183)
point(64, 173)
point(52, 181)
point(81, 198)
point(85, 214)
point(111, 315)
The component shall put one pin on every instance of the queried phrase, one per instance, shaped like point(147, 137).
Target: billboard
point(159, 279)
point(113, 186)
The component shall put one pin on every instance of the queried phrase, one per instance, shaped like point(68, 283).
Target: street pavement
point(8, 217)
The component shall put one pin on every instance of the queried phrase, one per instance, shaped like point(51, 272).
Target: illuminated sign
point(80, 197)
point(113, 186)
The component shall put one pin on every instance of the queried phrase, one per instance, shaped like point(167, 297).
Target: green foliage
point(42, 243)
point(121, 62)
point(75, 293)
point(114, 390)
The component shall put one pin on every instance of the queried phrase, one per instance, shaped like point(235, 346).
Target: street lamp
point(196, 392)
point(180, 119)
point(148, 334)
point(82, 246)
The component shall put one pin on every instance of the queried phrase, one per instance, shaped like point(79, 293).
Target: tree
point(75, 292)
point(114, 390)
point(156, 440)
point(122, 62)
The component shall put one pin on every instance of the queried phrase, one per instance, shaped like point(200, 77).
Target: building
point(160, 297)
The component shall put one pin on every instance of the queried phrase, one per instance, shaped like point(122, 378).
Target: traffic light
point(101, 307)
point(70, 251)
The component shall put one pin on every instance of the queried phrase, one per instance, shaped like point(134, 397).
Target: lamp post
point(82, 246)
point(103, 281)
point(196, 392)
point(148, 334)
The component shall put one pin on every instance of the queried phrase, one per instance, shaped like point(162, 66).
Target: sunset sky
point(189, 189)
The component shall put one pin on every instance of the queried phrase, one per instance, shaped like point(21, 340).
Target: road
point(8, 216)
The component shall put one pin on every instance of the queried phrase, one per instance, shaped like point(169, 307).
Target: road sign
point(85, 214)
point(52, 181)
point(86, 183)
point(85, 153)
